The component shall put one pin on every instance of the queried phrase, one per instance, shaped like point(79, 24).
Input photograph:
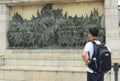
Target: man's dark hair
point(94, 31)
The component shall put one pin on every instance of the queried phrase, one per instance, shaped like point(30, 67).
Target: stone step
point(35, 73)
point(53, 60)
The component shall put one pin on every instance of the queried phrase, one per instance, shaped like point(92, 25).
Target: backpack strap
point(94, 52)
point(91, 65)
point(94, 47)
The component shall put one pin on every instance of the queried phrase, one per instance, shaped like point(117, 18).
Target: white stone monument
point(52, 65)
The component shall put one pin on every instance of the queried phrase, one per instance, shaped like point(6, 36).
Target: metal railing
point(116, 67)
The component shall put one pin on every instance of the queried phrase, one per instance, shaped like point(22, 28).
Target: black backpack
point(101, 59)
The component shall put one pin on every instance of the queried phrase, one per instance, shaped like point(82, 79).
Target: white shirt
point(89, 48)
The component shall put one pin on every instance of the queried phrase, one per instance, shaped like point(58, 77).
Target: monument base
point(44, 67)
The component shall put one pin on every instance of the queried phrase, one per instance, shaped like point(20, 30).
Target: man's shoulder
point(89, 43)
point(98, 42)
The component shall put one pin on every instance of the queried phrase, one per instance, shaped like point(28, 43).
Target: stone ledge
point(29, 2)
point(43, 56)
point(43, 51)
point(45, 69)
point(37, 68)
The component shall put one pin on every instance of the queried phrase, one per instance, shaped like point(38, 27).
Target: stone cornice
point(24, 2)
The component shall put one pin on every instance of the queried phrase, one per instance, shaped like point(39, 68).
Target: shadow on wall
point(52, 29)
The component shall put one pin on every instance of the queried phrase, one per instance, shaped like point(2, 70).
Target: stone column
point(112, 28)
point(112, 25)
point(4, 20)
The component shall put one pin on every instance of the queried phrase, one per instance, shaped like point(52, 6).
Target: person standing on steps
point(88, 52)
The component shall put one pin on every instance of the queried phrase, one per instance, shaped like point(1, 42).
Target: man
point(92, 35)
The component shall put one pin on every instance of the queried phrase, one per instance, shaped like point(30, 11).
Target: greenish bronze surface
point(52, 29)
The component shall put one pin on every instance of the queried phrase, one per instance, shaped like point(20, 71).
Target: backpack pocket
point(92, 66)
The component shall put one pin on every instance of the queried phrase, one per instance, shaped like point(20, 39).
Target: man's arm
point(84, 57)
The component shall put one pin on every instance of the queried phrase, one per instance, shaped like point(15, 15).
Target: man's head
point(93, 32)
